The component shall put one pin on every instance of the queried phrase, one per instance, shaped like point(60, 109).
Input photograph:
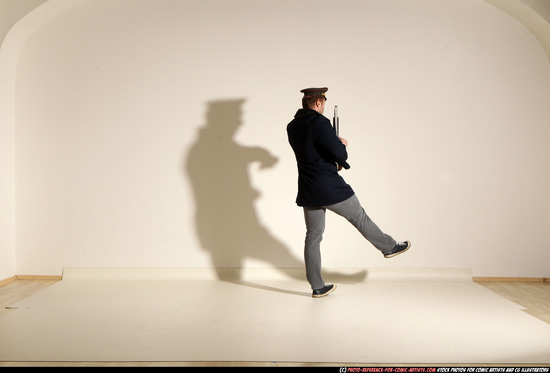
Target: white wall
point(122, 107)
point(11, 12)
point(7, 174)
point(542, 7)
point(533, 14)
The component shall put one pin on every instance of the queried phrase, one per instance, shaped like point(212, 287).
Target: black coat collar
point(301, 113)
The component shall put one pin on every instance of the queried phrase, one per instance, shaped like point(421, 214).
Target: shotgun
point(336, 122)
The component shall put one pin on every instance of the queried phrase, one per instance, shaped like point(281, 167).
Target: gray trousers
point(315, 226)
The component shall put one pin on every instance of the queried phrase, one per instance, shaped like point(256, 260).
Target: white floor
point(162, 316)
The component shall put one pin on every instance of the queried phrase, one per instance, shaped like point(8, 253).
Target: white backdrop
point(152, 134)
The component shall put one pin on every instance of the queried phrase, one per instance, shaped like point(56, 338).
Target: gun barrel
point(336, 121)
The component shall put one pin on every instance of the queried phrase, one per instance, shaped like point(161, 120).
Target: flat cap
point(314, 91)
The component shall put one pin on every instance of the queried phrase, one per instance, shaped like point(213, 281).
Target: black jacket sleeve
point(329, 145)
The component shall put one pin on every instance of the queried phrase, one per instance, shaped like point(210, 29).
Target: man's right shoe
point(400, 248)
point(324, 291)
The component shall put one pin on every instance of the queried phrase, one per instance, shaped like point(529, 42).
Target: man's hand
point(345, 142)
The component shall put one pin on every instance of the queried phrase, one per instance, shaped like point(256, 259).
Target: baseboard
point(30, 277)
point(38, 277)
point(7, 280)
point(511, 279)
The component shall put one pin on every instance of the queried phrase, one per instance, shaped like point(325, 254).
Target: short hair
point(310, 100)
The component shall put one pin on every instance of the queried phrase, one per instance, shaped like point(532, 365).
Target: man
point(320, 155)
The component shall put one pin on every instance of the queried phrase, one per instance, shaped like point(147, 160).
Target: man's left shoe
point(400, 248)
point(324, 291)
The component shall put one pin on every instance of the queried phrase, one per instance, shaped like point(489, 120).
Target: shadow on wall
point(225, 216)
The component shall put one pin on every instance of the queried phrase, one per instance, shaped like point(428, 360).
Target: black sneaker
point(324, 291)
point(400, 248)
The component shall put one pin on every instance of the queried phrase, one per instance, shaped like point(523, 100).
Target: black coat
point(318, 153)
